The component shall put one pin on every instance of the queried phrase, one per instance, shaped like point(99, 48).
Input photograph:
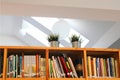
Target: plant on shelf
point(54, 40)
point(76, 40)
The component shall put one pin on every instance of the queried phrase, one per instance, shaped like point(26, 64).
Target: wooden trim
point(37, 65)
point(4, 63)
point(85, 64)
point(47, 64)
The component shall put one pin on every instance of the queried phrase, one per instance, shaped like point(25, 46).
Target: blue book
point(97, 67)
point(111, 67)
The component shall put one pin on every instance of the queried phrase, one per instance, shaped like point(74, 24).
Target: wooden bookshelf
point(48, 52)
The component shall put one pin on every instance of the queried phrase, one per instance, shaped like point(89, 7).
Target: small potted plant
point(75, 40)
point(54, 40)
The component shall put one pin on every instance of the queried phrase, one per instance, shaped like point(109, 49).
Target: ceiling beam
point(59, 11)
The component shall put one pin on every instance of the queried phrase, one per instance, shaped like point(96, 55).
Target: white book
point(72, 66)
point(61, 68)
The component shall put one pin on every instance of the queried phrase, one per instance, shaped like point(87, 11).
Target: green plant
point(74, 37)
point(53, 37)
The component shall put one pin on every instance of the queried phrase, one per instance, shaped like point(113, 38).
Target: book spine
point(108, 67)
point(61, 67)
point(16, 66)
point(116, 68)
point(73, 68)
point(97, 67)
point(111, 67)
point(65, 67)
point(89, 66)
point(53, 68)
point(94, 67)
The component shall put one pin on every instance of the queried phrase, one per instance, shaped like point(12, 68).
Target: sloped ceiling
point(97, 21)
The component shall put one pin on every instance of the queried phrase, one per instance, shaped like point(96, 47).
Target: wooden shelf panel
point(103, 79)
point(25, 78)
point(66, 78)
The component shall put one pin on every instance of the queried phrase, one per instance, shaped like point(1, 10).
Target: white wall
point(8, 40)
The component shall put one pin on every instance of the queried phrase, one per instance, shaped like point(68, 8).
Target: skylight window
point(84, 40)
point(49, 23)
point(34, 32)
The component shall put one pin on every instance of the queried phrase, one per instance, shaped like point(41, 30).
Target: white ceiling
point(80, 9)
point(97, 21)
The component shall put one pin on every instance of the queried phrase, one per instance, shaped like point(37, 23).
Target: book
point(97, 67)
point(105, 70)
point(42, 67)
point(111, 67)
point(89, 66)
point(116, 68)
point(65, 67)
point(73, 67)
point(11, 58)
point(61, 67)
point(67, 64)
point(53, 68)
point(26, 66)
point(33, 66)
point(108, 68)
point(50, 68)
point(94, 67)
point(58, 67)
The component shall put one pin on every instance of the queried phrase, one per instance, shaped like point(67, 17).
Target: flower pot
point(76, 44)
point(54, 44)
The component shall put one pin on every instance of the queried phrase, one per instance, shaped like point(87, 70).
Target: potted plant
point(76, 40)
point(54, 40)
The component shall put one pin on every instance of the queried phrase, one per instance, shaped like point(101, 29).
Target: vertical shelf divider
point(4, 63)
point(119, 64)
point(47, 64)
point(85, 64)
point(37, 64)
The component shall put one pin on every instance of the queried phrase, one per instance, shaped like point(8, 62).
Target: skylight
point(34, 32)
point(84, 40)
point(49, 23)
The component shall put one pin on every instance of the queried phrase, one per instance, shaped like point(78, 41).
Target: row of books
point(26, 66)
point(63, 67)
point(102, 67)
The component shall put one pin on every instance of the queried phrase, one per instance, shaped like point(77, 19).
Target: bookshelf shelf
point(26, 78)
point(66, 78)
point(103, 78)
point(39, 59)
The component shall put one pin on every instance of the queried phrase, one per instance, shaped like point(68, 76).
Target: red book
point(65, 67)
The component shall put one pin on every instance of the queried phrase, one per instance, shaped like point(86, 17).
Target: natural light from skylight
point(34, 32)
point(49, 23)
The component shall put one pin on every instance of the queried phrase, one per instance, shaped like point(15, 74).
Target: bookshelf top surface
point(57, 48)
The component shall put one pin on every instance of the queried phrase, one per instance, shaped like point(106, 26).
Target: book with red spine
point(65, 67)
